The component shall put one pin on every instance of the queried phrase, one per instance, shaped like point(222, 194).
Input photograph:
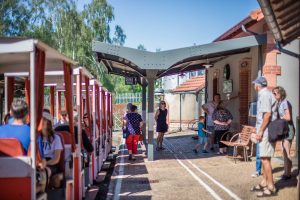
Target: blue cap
point(261, 81)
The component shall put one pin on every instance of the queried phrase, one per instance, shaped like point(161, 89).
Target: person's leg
point(205, 144)
point(129, 144)
point(162, 140)
point(286, 147)
point(263, 182)
point(258, 161)
point(211, 137)
point(135, 144)
point(268, 174)
point(218, 138)
point(158, 140)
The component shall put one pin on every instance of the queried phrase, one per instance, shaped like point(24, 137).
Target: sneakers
point(195, 151)
point(204, 151)
point(256, 174)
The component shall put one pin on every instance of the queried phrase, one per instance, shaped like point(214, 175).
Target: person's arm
point(56, 158)
point(204, 108)
point(287, 115)
point(141, 124)
point(206, 131)
point(266, 120)
point(156, 115)
point(86, 142)
point(220, 123)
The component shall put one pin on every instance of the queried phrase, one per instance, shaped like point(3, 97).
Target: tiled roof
point(193, 85)
point(254, 17)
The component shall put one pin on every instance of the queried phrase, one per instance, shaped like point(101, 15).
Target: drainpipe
point(297, 132)
point(260, 60)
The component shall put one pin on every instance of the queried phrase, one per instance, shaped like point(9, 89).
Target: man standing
point(265, 110)
point(209, 109)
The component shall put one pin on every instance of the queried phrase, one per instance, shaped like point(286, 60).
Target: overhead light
point(207, 65)
point(181, 74)
point(244, 29)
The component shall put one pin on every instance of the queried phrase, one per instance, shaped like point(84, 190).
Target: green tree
point(61, 25)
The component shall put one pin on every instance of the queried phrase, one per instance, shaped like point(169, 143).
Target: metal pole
point(94, 129)
point(32, 123)
point(6, 109)
point(144, 100)
point(180, 128)
point(150, 119)
point(56, 107)
point(78, 191)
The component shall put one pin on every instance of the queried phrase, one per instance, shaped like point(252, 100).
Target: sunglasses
point(163, 103)
point(275, 93)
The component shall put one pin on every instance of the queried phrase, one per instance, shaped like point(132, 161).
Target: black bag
point(277, 129)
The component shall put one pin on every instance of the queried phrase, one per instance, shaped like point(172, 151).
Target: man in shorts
point(265, 113)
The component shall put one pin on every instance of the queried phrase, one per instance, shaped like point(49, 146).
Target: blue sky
point(169, 24)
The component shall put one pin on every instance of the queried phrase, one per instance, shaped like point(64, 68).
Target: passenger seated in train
point(18, 128)
point(63, 119)
point(86, 123)
point(52, 148)
point(87, 145)
point(7, 118)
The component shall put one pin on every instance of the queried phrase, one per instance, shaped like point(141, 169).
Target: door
point(244, 93)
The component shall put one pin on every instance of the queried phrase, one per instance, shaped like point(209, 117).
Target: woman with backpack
point(285, 112)
point(134, 123)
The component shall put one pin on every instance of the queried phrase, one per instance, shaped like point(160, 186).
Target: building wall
point(234, 61)
point(188, 108)
point(289, 77)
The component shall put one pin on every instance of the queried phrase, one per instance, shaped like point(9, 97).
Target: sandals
point(257, 188)
point(267, 193)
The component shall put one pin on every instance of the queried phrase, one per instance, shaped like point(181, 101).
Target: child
point(202, 136)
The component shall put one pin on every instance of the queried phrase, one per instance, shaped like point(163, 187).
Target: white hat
point(48, 116)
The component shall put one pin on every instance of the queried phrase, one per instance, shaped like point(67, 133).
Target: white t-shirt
point(50, 147)
point(210, 106)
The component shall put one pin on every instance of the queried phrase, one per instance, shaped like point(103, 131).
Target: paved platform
point(177, 173)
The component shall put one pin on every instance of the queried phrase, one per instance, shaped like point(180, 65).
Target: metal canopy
point(15, 55)
point(126, 61)
point(283, 18)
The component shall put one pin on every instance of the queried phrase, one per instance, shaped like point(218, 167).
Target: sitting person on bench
point(18, 128)
point(52, 148)
point(87, 145)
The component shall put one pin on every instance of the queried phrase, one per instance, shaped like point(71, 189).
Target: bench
point(241, 139)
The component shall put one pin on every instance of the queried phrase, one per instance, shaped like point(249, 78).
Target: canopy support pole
point(150, 118)
point(144, 104)
point(33, 122)
point(180, 126)
point(6, 95)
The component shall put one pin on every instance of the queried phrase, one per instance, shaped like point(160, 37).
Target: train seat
point(11, 147)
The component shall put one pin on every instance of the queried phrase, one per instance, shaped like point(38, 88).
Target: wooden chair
point(241, 139)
